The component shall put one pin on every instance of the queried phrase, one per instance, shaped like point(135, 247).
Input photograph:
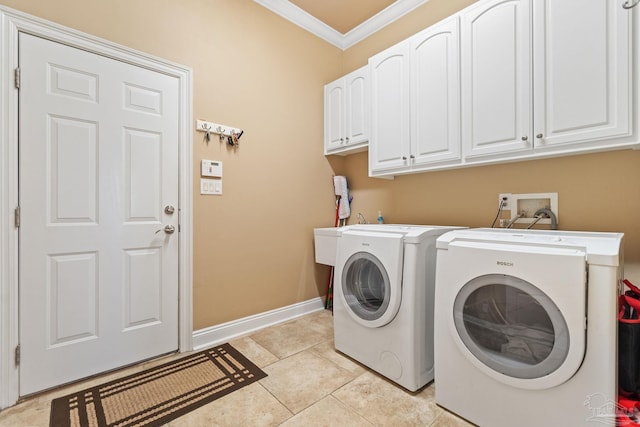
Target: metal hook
point(628, 5)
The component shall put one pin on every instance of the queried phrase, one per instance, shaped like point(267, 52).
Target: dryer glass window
point(511, 326)
point(365, 286)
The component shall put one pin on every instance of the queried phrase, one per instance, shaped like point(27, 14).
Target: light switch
point(217, 186)
point(210, 186)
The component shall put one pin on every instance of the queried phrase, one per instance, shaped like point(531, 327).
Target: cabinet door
point(435, 94)
point(496, 78)
point(357, 106)
point(389, 144)
point(582, 71)
point(334, 115)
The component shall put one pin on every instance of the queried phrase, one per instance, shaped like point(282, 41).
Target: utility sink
point(326, 243)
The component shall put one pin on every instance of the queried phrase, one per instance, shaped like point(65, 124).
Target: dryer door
point(521, 319)
point(371, 277)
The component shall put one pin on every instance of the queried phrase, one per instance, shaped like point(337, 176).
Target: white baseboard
point(224, 332)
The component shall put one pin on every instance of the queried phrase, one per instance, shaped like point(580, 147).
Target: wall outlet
point(506, 197)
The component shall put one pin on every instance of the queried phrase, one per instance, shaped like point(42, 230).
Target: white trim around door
point(12, 22)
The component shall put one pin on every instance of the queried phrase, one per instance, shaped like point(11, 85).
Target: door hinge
point(16, 77)
point(17, 355)
point(17, 217)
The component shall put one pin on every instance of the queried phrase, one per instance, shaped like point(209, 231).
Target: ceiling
point(341, 22)
point(342, 16)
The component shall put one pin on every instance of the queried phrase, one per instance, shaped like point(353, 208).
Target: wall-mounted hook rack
point(218, 129)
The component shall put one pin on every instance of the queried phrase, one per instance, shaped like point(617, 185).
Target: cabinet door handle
point(539, 136)
point(341, 140)
point(404, 157)
point(347, 140)
point(412, 156)
point(525, 138)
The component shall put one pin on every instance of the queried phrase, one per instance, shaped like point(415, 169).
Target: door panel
point(72, 298)
point(72, 177)
point(98, 164)
point(142, 297)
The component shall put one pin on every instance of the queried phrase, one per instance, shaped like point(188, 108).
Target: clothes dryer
point(526, 326)
point(383, 299)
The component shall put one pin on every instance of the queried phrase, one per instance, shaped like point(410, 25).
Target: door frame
point(12, 22)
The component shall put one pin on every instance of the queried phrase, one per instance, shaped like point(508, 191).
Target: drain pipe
point(548, 212)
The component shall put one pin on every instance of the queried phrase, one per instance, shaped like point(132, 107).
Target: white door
point(98, 167)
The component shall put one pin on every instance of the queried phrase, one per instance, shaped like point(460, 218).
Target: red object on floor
point(628, 412)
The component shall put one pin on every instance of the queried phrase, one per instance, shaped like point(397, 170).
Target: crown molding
point(303, 19)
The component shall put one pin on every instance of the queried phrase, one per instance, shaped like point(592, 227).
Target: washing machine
point(525, 326)
point(383, 299)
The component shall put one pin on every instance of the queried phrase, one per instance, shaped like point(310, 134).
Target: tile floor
point(308, 384)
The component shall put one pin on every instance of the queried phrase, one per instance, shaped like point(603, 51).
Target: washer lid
point(601, 248)
point(410, 233)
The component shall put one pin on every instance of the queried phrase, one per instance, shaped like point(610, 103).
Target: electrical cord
point(500, 207)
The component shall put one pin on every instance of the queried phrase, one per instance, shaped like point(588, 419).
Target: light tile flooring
point(308, 384)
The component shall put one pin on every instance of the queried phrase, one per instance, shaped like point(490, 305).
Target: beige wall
point(253, 246)
point(596, 192)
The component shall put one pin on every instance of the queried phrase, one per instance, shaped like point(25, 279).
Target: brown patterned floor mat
point(158, 395)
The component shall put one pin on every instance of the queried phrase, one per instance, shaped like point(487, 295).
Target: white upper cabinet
point(435, 95)
point(416, 102)
point(496, 82)
point(544, 76)
point(582, 70)
point(389, 145)
point(502, 80)
point(346, 113)
point(334, 116)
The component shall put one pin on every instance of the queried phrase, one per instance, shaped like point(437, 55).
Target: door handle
point(169, 229)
